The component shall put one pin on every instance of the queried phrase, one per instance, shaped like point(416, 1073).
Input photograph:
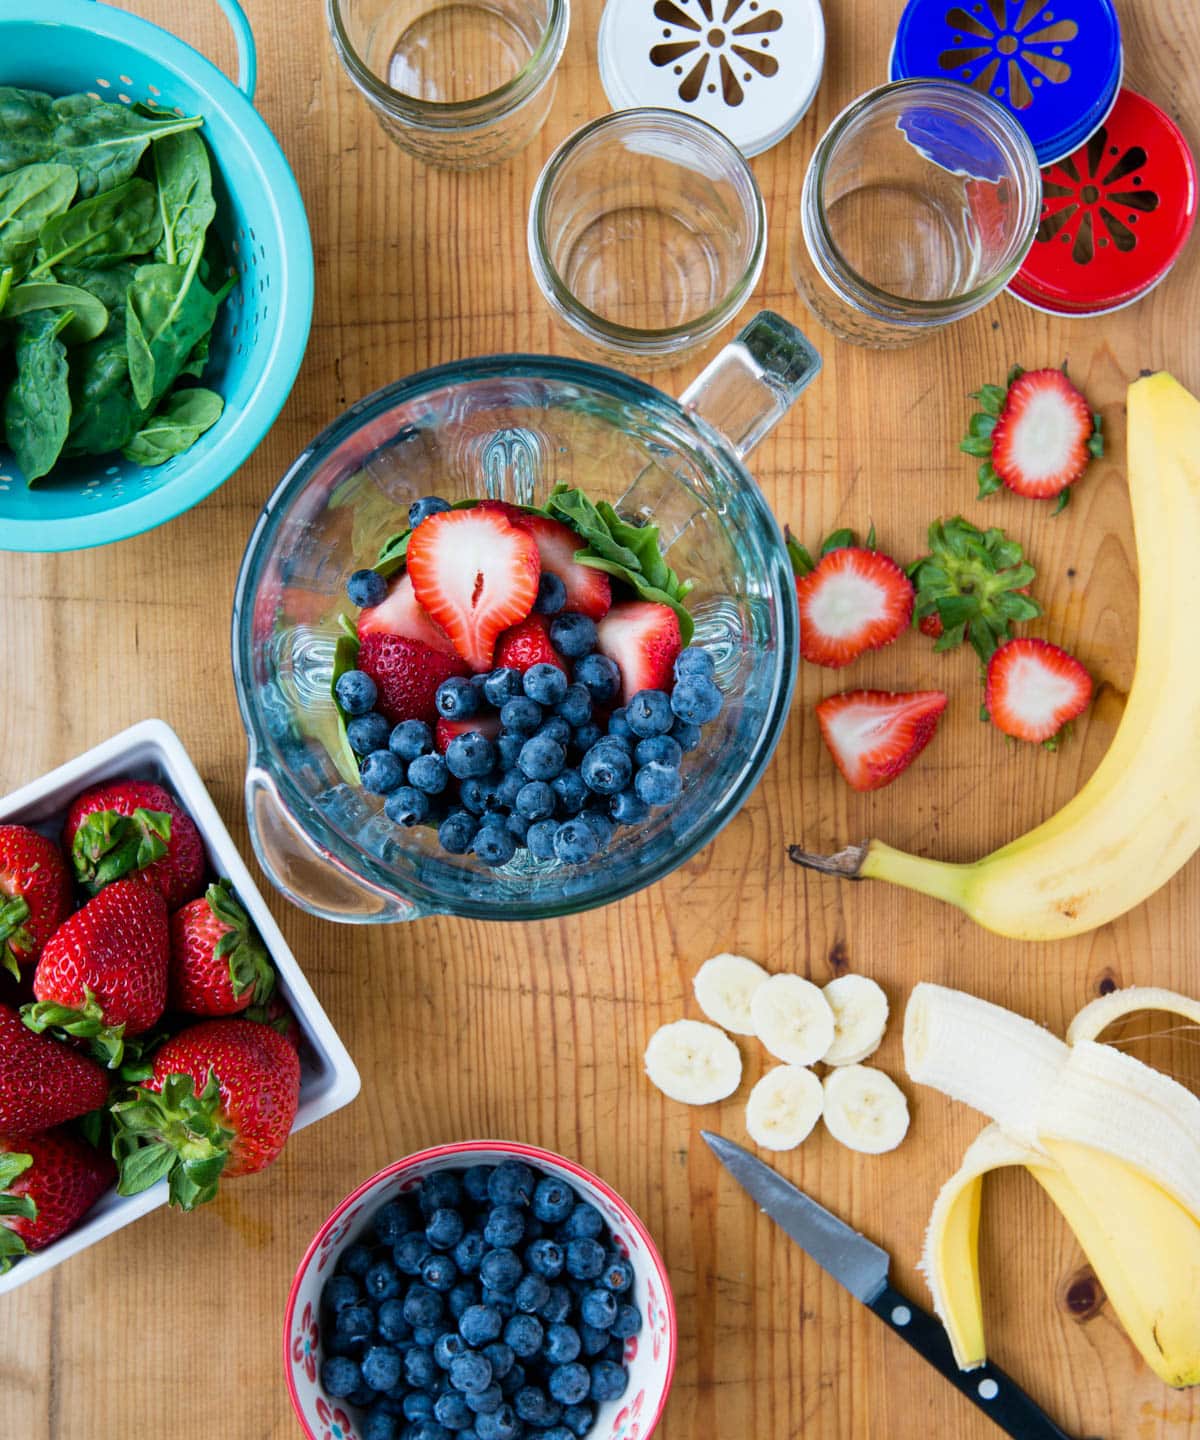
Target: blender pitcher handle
point(749, 387)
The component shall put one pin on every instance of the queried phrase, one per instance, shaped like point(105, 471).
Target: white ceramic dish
point(152, 751)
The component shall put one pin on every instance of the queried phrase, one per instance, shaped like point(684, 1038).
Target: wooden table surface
point(171, 1328)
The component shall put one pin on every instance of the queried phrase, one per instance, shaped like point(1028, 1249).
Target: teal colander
point(65, 46)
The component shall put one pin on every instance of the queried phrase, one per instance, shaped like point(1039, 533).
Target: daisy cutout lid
point(1115, 214)
point(1054, 64)
point(750, 68)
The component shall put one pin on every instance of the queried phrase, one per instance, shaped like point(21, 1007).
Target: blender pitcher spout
point(306, 874)
point(749, 387)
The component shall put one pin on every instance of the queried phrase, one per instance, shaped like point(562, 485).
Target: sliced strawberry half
point(589, 591)
point(476, 574)
point(488, 725)
point(874, 736)
point(407, 675)
point(642, 638)
point(402, 614)
point(1034, 689)
point(526, 645)
point(855, 600)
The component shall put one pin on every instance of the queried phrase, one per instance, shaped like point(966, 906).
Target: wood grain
point(468, 1029)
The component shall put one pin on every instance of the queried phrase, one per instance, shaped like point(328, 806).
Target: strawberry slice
point(407, 675)
point(853, 600)
point(526, 645)
point(402, 614)
point(642, 638)
point(488, 725)
point(874, 735)
point(589, 591)
point(476, 574)
point(1034, 689)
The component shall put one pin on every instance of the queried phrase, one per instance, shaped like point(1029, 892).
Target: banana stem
point(877, 861)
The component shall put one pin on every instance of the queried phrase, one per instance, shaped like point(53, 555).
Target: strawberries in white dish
point(1034, 689)
point(643, 640)
point(853, 599)
point(874, 736)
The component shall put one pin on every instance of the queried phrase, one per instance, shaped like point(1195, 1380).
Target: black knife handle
point(988, 1387)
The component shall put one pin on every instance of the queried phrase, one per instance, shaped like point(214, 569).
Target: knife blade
point(861, 1266)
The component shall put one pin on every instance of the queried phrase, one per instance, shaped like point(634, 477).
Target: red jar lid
point(1115, 214)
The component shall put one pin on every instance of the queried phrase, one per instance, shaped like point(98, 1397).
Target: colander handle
point(247, 54)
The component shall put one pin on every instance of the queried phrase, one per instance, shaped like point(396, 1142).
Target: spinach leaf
point(89, 317)
point(175, 427)
point(393, 555)
point(6, 277)
point(37, 410)
point(28, 199)
point(345, 657)
point(168, 310)
point(197, 361)
point(105, 414)
point(185, 198)
point(102, 231)
point(109, 286)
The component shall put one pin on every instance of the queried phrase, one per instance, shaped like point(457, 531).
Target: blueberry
point(627, 809)
point(583, 737)
point(508, 747)
point(573, 635)
point(512, 1182)
point(452, 1411)
point(367, 732)
point(427, 1430)
point(506, 791)
point(410, 739)
point(439, 1272)
point(471, 1372)
point(407, 806)
point(694, 661)
point(463, 1295)
point(501, 685)
point(545, 683)
point(649, 713)
point(475, 793)
point(541, 758)
point(475, 1180)
point(551, 594)
point(380, 1425)
point(685, 735)
point(382, 773)
point(595, 1342)
point(456, 832)
point(523, 1335)
point(532, 1293)
point(339, 1376)
point(356, 692)
point(392, 1324)
point(608, 1381)
point(381, 1367)
point(422, 1306)
point(657, 784)
point(557, 1432)
point(553, 1200)
point(356, 1322)
point(562, 1344)
point(696, 699)
point(382, 1281)
point(569, 1384)
point(568, 786)
point(556, 729)
point(513, 1381)
point(470, 755)
point(600, 676)
point(501, 1269)
point(501, 1424)
point(486, 1401)
point(585, 1222)
point(576, 705)
point(501, 1300)
point(522, 716)
point(532, 1404)
point(618, 725)
point(355, 1260)
point(442, 1190)
point(558, 1307)
point(426, 1336)
point(423, 508)
point(410, 1252)
point(617, 1275)
point(417, 1406)
point(419, 1368)
point(505, 1226)
point(579, 1419)
point(598, 1308)
point(480, 1325)
point(365, 588)
point(585, 1259)
point(502, 1358)
point(606, 769)
point(539, 839)
point(447, 1348)
point(575, 842)
point(660, 750)
point(494, 844)
point(456, 698)
point(534, 800)
point(545, 1257)
point(340, 1292)
point(428, 774)
point(628, 1322)
point(518, 827)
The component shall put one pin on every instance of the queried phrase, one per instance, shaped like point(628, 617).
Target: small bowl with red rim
point(649, 1356)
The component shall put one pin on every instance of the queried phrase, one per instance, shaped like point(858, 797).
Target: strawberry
point(931, 625)
point(218, 963)
point(221, 1100)
point(642, 638)
point(589, 591)
point(133, 826)
point(1034, 689)
point(873, 736)
point(407, 674)
point(42, 1082)
point(35, 895)
point(402, 614)
point(488, 725)
point(103, 973)
point(1037, 437)
point(526, 645)
point(476, 573)
point(276, 1013)
point(853, 599)
point(48, 1183)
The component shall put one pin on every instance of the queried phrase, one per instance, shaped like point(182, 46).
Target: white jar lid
point(751, 68)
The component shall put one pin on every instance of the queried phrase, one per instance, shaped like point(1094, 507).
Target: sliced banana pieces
point(792, 1019)
point(694, 1063)
point(864, 1109)
point(725, 986)
point(860, 1016)
point(784, 1107)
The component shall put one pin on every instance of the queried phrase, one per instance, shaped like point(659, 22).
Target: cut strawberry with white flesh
point(855, 600)
point(476, 574)
point(1034, 689)
point(402, 614)
point(874, 735)
point(642, 639)
point(1040, 443)
point(589, 591)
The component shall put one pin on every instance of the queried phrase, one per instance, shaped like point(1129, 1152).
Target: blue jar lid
point(1055, 65)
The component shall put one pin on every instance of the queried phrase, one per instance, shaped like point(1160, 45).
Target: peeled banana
point(1137, 820)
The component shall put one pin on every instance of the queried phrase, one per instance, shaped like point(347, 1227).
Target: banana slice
point(693, 1063)
point(783, 1107)
point(864, 1109)
point(1097, 1016)
point(792, 1019)
point(724, 987)
point(860, 1016)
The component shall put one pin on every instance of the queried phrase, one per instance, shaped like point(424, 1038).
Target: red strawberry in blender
point(643, 639)
point(526, 645)
point(407, 654)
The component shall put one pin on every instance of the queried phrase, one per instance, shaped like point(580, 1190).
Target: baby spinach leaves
point(175, 427)
point(37, 410)
point(167, 311)
point(28, 199)
point(102, 231)
point(89, 316)
point(185, 197)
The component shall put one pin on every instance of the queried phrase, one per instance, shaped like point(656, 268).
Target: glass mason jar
point(920, 203)
point(460, 84)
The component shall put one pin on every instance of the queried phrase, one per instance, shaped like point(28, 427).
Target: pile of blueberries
point(492, 1305)
point(560, 777)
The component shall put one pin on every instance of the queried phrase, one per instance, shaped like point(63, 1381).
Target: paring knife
point(862, 1268)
